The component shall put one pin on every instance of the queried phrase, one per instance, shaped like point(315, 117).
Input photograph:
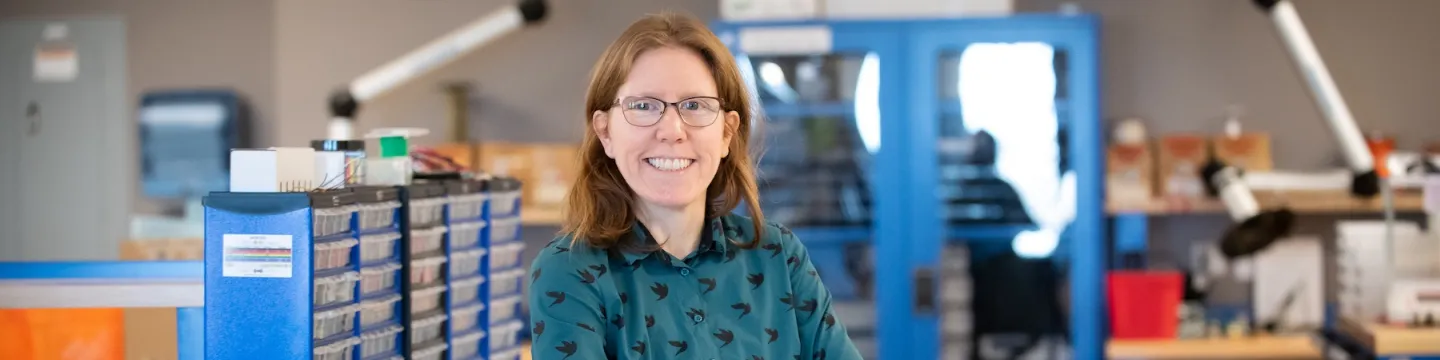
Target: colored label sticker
point(262, 256)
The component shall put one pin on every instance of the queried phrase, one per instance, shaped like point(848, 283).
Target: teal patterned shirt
point(722, 302)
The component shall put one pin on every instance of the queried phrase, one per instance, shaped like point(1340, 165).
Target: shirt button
point(684, 272)
point(698, 318)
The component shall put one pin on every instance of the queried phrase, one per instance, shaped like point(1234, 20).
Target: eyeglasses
point(699, 111)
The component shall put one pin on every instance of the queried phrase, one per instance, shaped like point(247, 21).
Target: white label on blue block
point(262, 256)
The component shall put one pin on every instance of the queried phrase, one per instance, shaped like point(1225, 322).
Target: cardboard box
point(1129, 175)
point(1181, 158)
point(1249, 151)
point(150, 333)
point(546, 171)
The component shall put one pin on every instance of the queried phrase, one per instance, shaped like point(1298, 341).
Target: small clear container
point(504, 203)
point(427, 329)
point(343, 349)
point(426, 212)
point(379, 278)
point(379, 310)
point(379, 342)
point(436, 352)
point(426, 240)
point(505, 336)
point(510, 354)
point(503, 230)
point(465, 319)
point(336, 288)
point(465, 235)
point(506, 283)
point(333, 220)
point(378, 215)
point(465, 291)
point(427, 270)
point(426, 300)
point(466, 346)
point(467, 207)
point(505, 256)
point(376, 247)
point(504, 309)
point(335, 321)
point(334, 254)
point(465, 263)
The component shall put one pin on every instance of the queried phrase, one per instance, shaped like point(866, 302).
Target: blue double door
point(910, 156)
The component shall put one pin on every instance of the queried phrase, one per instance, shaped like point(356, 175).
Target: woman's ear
point(732, 126)
point(600, 122)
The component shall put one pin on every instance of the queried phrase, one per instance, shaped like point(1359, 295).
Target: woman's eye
point(640, 106)
point(691, 105)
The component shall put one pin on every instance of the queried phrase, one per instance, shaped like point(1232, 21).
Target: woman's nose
point(670, 128)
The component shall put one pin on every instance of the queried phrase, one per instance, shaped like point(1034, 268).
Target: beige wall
point(530, 83)
point(1176, 63)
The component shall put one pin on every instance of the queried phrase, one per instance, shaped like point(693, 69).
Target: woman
point(652, 264)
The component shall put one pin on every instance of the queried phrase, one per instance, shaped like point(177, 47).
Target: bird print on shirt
point(709, 285)
point(743, 307)
point(660, 290)
point(755, 279)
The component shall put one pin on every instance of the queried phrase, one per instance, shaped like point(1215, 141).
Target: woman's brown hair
point(601, 208)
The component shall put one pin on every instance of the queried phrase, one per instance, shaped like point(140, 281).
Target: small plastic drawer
point(378, 215)
point(504, 309)
point(503, 230)
point(379, 278)
point(511, 354)
point(336, 288)
point(505, 336)
point(465, 263)
point(335, 321)
point(427, 329)
point(343, 349)
point(376, 247)
point(380, 342)
point(334, 254)
point(465, 291)
point(427, 270)
point(466, 346)
point(465, 235)
point(465, 319)
point(504, 203)
point(466, 207)
point(379, 310)
point(426, 240)
point(426, 300)
point(506, 283)
point(332, 221)
point(426, 212)
point(436, 352)
point(506, 256)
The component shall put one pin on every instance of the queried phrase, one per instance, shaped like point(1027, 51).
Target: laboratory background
point(974, 179)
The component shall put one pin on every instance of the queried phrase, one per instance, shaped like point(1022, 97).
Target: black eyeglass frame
point(666, 106)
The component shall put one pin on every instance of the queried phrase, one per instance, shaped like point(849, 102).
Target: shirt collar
point(712, 239)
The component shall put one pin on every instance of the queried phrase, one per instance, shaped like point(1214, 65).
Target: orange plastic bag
point(62, 334)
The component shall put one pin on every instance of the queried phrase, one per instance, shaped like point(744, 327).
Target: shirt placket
point(696, 311)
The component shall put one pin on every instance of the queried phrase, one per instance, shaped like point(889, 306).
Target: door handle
point(32, 115)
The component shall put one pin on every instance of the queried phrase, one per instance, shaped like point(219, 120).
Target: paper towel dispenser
point(185, 139)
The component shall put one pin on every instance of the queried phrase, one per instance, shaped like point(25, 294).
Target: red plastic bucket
point(1144, 304)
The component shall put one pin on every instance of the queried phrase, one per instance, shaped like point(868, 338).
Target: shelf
point(1392, 341)
point(1262, 347)
point(1315, 202)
